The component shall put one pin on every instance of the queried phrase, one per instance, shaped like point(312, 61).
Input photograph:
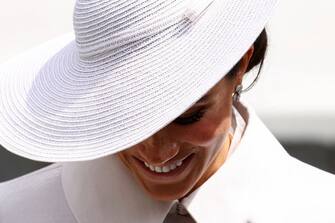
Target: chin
point(167, 194)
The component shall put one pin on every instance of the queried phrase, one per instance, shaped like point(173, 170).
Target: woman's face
point(199, 141)
point(181, 156)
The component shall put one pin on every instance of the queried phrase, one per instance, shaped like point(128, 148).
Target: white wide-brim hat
point(132, 67)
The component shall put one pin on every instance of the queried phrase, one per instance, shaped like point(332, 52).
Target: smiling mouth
point(177, 168)
point(167, 168)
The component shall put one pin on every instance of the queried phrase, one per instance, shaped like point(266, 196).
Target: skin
point(205, 138)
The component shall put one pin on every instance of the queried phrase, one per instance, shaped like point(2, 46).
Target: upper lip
point(166, 163)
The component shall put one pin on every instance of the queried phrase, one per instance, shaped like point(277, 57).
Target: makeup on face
point(168, 172)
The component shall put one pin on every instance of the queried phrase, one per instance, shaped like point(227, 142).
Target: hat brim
point(55, 107)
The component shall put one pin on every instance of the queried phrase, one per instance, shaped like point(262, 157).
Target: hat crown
point(103, 26)
point(107, 27)
point(76, 100)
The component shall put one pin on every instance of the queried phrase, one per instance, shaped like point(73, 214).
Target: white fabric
point(133, 67)
point(37, 197)
point(239, 125)
point(259, 183)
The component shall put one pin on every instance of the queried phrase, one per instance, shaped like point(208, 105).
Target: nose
point(158, 149)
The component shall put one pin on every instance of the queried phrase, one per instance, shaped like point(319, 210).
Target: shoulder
point(289, 190)
point(308, 193)
point(283, 188)
point(37, 196)
point(312, 184)
point(296, 192)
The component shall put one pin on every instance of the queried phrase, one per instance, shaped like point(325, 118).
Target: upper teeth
point(164, 169)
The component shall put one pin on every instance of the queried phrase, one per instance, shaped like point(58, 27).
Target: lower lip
point(175, 175)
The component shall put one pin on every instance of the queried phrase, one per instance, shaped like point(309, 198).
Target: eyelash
point(195, 117)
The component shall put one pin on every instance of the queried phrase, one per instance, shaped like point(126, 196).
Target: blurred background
point(294, 96)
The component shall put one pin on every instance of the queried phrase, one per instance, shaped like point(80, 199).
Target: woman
point(143, 118)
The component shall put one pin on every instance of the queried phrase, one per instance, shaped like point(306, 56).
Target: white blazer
point(259, 183)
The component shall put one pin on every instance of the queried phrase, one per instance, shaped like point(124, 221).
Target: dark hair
point(260, 46)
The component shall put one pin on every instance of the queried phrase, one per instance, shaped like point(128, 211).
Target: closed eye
point(194, 117)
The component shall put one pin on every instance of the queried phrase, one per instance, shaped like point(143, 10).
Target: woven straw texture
point(131, 68)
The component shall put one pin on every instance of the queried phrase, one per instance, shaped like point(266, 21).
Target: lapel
point(230, 193)
point(102, 190)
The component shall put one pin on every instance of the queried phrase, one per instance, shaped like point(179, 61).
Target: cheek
point(206, 154)
point(204, 137)
point(207, 132)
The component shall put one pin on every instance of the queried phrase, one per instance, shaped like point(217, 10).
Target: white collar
point(238, 127)
point(102, 190)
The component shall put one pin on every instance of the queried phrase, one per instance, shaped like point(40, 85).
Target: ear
point(244, 65)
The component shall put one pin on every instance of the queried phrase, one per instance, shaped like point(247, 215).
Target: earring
point(237, 94)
